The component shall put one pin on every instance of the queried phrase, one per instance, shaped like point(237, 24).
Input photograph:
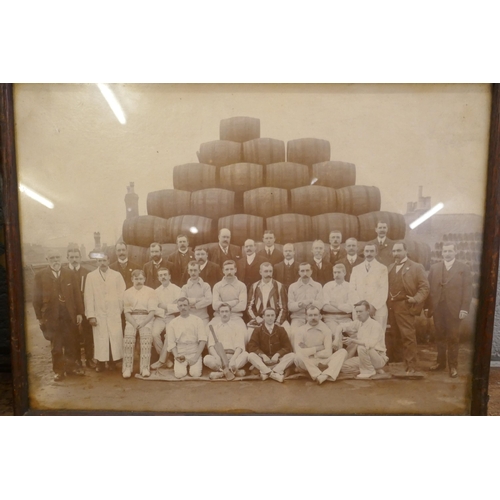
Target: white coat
point(104, 301)
point(372, 285)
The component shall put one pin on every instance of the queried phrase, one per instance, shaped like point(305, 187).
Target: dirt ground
point(435, 393)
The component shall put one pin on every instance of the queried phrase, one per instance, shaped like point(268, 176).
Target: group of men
point(337, 312)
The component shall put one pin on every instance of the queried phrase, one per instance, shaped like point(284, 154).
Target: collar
point(122, 261)
point(449, 264)
point(336, 250)
point(224, 251)
point(269, 249)
point(270, 330)
point(74, 268)
point(289, 262)
point(203, 265)
point(157, 264)
point(251, 258)
point(262, 284)
point(318, 260)
point(183, 253)
point(403, 262)
point(192, 282)
point(381, 241)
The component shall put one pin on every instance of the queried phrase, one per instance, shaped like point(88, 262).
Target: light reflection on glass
point(427, 214)
point(113, 102)
point(35, 196)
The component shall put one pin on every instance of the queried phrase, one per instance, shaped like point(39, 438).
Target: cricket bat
point(219, 349)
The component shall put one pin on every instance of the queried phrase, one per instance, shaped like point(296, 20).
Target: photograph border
point(488, 278)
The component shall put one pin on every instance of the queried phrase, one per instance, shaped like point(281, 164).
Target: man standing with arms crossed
point(197, 292)
point(449, 302)
point(230, 291)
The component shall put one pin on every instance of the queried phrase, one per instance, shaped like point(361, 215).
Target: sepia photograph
point(251, 249)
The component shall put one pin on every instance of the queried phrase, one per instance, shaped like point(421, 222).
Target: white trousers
point(310, 364)
point(284, 362)
point(366, 362)
point(381, 317)
point(215, 363)
point(159, 325)
point(181, 369)
point(295, 325)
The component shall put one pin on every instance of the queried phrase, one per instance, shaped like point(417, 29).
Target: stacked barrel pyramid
point(248, 183)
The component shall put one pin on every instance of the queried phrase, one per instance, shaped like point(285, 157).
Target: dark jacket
point(384, 252)
point(126, 271)
point(263, 342)
point(280, 273)
point(249, 274)
point(178, 264)
point(323, 275)
point(275, 258)
point(349, 266)
point(152, 273)
point(333, 258)
point(211, 274)
point(217, 256)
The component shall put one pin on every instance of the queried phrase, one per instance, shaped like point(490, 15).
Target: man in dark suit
point(84, 330)
point(269, 253)
point(224, 250)
point(179, 260)
point(123, 265)
point(58, 305)
point(352, 258)
point(209, 272)
point(287, 272)
point(449, 303)
point(335, 252)
point(384, 244)
point(248, 267)
point(408, 290)
point(152, 267)
point(322, 270)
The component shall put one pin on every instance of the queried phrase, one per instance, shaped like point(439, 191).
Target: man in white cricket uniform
point(103, 297)
point(337, 308)
point(367, 336)
point(232, 339)
point(197, 292)
point(314, 349)
point(230, 291)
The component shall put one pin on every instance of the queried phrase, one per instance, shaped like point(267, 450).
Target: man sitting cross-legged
point(368, 337)
point(314, 347)
point(269, 348)
point(230, 332)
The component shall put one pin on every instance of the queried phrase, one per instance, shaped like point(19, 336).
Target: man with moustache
point(287, 272)
point(448, 303)
point(383, 243)
point(210, 272)
point(370, 282)
point(321, 268)
point(224, 250)
point(123, 265)
point(336, 252)
point(314, 349)
point(197, 292)
point(408, 289)
point(179, 260)
point(167, 295)
point(269, 253)
point(58, 305)
point(303, 293)
point(103, 308)
point(152, 267)
point(84, 330)
point(248, 267)
point(352, 259)
point(230, 291)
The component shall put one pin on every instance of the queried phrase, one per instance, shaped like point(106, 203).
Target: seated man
point(314, 347)
point(337, 308)
point(269, 348)
point(231, 335)
point(369, 341)
point(186, 339)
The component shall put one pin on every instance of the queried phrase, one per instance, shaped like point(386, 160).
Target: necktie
point(368, 265)
point(269, 253)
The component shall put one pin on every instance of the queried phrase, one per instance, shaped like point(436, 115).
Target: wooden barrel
point(323, 224)
point(168, 203)
point(220, 153)
point(242, 227)
point(143, 230)
point(266, 201)
point(396, 225)
point(241, 177)
point(303, 251)
point(313, 200)
point(264, 151)
point(195, 176)
point(418, 252)
point(287, 175)
point(239, 129)
point(358, 200)
point(212, 203)
point(290, 228)
point(334, 174)
point(198, 229)
point(308, 151)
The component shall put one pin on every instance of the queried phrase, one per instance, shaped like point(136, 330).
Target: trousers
point(447, 335)
point(310, 364)
point(284, 362)
point(63, 343)
point(159, 326)
point(129, 339)
point(215, 363)
point(366, 362)
point(403, 326)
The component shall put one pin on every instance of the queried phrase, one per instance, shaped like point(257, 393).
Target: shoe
point(410, 371)
point(78, 363)
point(365, 376)
point(264, 376)
point(157, 365)
point(111, 366)
point(90, 363)
point(145, 372)
point(127, 373)
point(100, 366)
point(453, 373)
point(240, 373)
point(58, 377)
point(215, 375)
point(279, 377)
point(77, 371)
point(321, 378)
point(169, 363)
point(437, 367)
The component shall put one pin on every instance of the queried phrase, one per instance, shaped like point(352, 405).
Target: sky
point(72, 149)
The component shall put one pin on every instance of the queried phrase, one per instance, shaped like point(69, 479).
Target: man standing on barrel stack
point(449, 303)
point(408, 289)
point(59, 309)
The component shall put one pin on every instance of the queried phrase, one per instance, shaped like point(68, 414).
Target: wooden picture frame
point(487, 289)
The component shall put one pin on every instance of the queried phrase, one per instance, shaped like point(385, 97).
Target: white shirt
point(250, 258)
point(74, 268)
point(203, 265)
point(289, 262)
point(370, 333)
point(265, 288)
point(449, 264)
point(351, 260)
point(167, 295)
point(228, 334)
point(401, 264)
point(318, 262)
point(269, 249)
